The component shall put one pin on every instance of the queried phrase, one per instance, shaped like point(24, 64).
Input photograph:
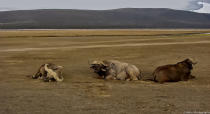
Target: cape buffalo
point(49, 72)
point(174, 72)
point(113, 69)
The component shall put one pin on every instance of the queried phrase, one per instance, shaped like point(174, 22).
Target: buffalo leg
point(184, 78)
point(122, 76)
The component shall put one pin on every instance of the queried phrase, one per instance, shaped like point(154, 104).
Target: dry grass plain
point(23, 51)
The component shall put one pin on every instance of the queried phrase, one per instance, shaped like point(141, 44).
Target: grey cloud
point(194, 5)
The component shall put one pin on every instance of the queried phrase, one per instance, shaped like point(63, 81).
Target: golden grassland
point(23, 51)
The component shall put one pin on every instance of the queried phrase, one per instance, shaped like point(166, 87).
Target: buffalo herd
point(116, 70)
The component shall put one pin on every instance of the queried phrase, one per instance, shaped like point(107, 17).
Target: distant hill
point(117, 18)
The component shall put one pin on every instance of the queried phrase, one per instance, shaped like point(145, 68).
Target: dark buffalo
point(174, 72)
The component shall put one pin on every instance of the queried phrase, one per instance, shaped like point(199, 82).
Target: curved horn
point(193, 61)
point(104, 63)
point(60, 67)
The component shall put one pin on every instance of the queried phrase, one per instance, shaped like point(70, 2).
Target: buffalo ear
point(194, 63)
point(112, 65)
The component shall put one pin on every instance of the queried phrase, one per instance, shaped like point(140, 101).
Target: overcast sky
point(94, 4)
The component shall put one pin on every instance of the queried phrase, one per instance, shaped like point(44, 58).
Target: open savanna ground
point(23, 51)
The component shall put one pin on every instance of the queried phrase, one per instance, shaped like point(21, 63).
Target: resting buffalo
point(49, 72)
point(113, 69)
point(174, 72)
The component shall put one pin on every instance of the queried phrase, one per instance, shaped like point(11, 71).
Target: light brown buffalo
point(174, 72)
point(49, 72)
point(113, 69)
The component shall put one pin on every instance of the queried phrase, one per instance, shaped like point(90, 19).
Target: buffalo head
point(189, 62)
point(99, 67)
